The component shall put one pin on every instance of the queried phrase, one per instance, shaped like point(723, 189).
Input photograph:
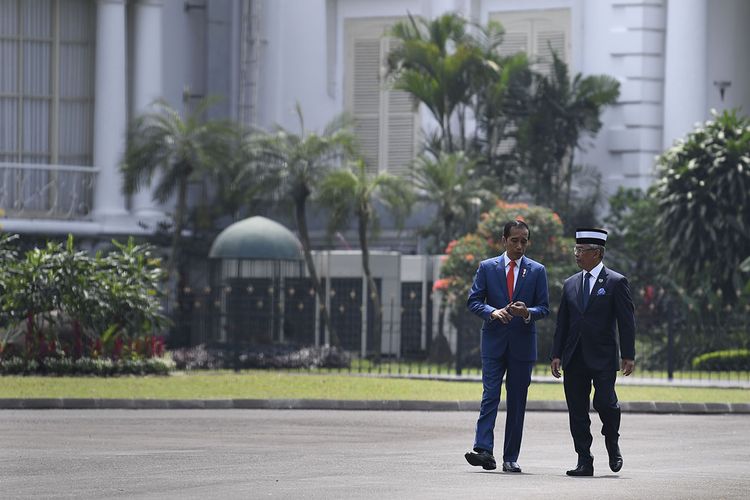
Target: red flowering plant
point(548, 244)
point(457, 271)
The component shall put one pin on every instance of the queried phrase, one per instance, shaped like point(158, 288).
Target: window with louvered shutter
point(365, 104)
point(385, 119)
point(536, 32)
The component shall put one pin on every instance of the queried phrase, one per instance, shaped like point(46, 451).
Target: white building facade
point(76, 71)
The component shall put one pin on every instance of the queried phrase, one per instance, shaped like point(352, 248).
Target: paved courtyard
point(353, 454)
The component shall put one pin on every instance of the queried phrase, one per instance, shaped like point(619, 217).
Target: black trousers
point(577, 381)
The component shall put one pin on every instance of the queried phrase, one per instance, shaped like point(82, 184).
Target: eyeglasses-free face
point(516, 242)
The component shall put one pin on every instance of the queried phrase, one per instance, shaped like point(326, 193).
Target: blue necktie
point(586, 290)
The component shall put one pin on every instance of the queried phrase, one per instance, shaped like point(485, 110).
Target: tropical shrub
point(201, 357)
point(704, 204)
point(727, 360)
point(85, 366)
point(59, 305)
point(675, 321)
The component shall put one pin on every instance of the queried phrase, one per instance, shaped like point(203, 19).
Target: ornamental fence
point(274, 319)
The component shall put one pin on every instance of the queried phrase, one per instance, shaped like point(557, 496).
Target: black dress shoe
point(511, 467)
point(615, 457)
point(582, 470)
point(481, 458)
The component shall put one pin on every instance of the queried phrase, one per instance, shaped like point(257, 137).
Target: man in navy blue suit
point(510, 294)
point(595, 306)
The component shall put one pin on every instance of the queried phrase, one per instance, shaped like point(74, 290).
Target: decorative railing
point(46, 191)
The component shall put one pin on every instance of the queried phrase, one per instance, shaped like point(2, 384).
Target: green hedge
point(731, 359)
point(85, 366)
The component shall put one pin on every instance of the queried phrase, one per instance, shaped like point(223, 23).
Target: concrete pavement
point(343, 404)
point(353, 454)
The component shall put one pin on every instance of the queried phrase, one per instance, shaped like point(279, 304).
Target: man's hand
point(518, 308)
point(628, 365)
point(555, 365)
point(502, 315)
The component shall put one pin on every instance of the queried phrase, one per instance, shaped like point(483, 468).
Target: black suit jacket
point(609, 310)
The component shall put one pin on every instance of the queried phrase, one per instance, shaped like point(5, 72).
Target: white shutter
point(385, 119)
point(546, 43)
point(400, 126)
point(535, 32)
point(365, 104)
point(517, 40)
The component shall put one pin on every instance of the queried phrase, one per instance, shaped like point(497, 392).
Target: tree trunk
point(378, 316)
point(462, 126)
point(568, 185)
point(77, 340)
point(299, 206)
point(29, 334)
point(179, 223)
point(447, 133)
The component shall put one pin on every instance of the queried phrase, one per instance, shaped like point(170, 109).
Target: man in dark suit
point(510, 294)
point(595, 306)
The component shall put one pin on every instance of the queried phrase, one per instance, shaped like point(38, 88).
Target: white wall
point(729, 54)
point(293, 65)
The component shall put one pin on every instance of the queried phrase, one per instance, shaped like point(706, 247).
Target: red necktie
point(509, 279)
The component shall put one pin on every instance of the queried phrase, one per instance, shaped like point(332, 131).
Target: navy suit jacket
point(490, 292)
point(609, 309)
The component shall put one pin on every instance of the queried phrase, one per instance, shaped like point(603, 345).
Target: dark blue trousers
point(517, 388)
point(577, 381)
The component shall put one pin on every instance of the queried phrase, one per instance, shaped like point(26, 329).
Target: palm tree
point(176, 151)
point(501, 88)
point(561, 113)
point(436, 62)
point(354, 191)
point(456, 73)
point(449, 182)
point(299, 162)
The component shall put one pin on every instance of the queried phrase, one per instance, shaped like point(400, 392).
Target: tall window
point(46, 81)
point(386, 123)
point(538, 33)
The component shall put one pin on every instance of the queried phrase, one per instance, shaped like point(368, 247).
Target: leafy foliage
point(435, 61)
point(697, 318)
point(561, 113)
point(451, 182)
point(202, 357)
point(353, 191)
point(728, 360)
point(455, 70)
point(704, 204)
point(100, 367)
point(172, 151)
point(60, 303)
point(297, 164)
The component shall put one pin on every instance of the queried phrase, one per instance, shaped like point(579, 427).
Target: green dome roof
point(256, 238)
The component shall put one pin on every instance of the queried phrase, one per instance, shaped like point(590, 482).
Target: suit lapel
point(598, 285)
point(523, 271)
point(501, 273)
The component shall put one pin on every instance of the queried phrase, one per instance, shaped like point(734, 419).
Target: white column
point(685, 75)
point(110, 108)
point(147, 84)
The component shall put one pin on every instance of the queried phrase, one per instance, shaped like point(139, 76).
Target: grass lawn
point(281, 385)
